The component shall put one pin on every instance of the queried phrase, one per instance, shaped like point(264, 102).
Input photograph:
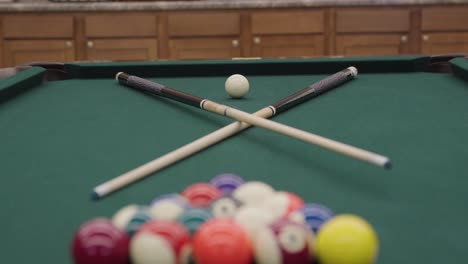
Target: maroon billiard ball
point(98, 241)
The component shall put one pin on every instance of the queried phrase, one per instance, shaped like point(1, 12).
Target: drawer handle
point(235, 43)
point(69, 44)
point(425, 38)
point(90, 44)
point(404, 39)
point(257, 40)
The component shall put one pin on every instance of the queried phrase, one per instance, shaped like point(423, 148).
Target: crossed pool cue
point(244, 120)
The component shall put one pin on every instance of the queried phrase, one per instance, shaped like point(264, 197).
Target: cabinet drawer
point(287, 22)
point(38, 26)
point(122, 49)
point(439, 19)
point(204, 24)
point(372, 20)
point(371, 45)
point(121, 25)
point(204, 48)
point(18, 52)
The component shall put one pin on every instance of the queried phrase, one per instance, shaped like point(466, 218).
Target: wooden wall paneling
point(203, 48)
point(287, 22)
point(453, 18)
point(442, 43)
point(272, 46)
point(246, 34)
point(38, 26)
point(414, 39)
point(18, 52)
point(163, 35)
point(330, 32)
point(80, 38)
point(369, 45)
point(372, 20)
point(203, 23)
point(117, 25)
point(123, 49)
point(2, 56)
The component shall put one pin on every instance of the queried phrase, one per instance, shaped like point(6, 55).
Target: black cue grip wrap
point(155, 88)
point(315, 89)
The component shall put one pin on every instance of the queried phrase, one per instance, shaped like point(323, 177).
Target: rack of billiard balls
point(226, 220)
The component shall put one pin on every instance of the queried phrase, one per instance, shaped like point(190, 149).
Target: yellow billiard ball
point(346, 239)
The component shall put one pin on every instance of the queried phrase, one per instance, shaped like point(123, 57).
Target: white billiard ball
point(237, 86)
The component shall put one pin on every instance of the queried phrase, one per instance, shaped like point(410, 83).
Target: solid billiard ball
point(131, 217)
point(98, 241)
point(236, 86)
point(227, 182)
point(283, 242)
point(224, 206)
point(201, 194)
point(253, 192)
point(192, 218)
point(282, 203)
point(346, 239)
point(160, 241)
point(221, 240)
point(312, 215)
point(168, 206)
point(252, 219)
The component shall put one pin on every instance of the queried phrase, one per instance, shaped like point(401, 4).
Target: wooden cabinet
point(227, 33)
point(444, 30)
point(204, 35)
point(287, 33)
point(29, 38)
point(121, 37)
point(371, 44)
point(372, 31)
point(440, 43)
point(122, 49)
point(17, 52)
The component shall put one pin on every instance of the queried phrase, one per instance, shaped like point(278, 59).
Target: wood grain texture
point(123, 49)
point(289, 46)
point(38, 26)
point(203, 48)
point(444, 18)
point(185, 24)
point(287, 22)
point(369, 45)
point(18, 52)
point(372, 20)
point(121, 25)
point(440, 43)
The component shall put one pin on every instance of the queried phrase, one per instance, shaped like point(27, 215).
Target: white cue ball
point(237, 86)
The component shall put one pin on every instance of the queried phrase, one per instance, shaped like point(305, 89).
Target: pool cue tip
point(95, 196)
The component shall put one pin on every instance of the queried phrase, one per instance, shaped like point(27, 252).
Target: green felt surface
point(60, 139)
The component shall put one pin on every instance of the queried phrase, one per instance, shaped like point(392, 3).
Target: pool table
point(66, 128)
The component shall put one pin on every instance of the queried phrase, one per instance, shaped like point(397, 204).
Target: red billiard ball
point(221, 240)
point(201, 194)
point(98, 241)
point(283, 242)
point(160, 241)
